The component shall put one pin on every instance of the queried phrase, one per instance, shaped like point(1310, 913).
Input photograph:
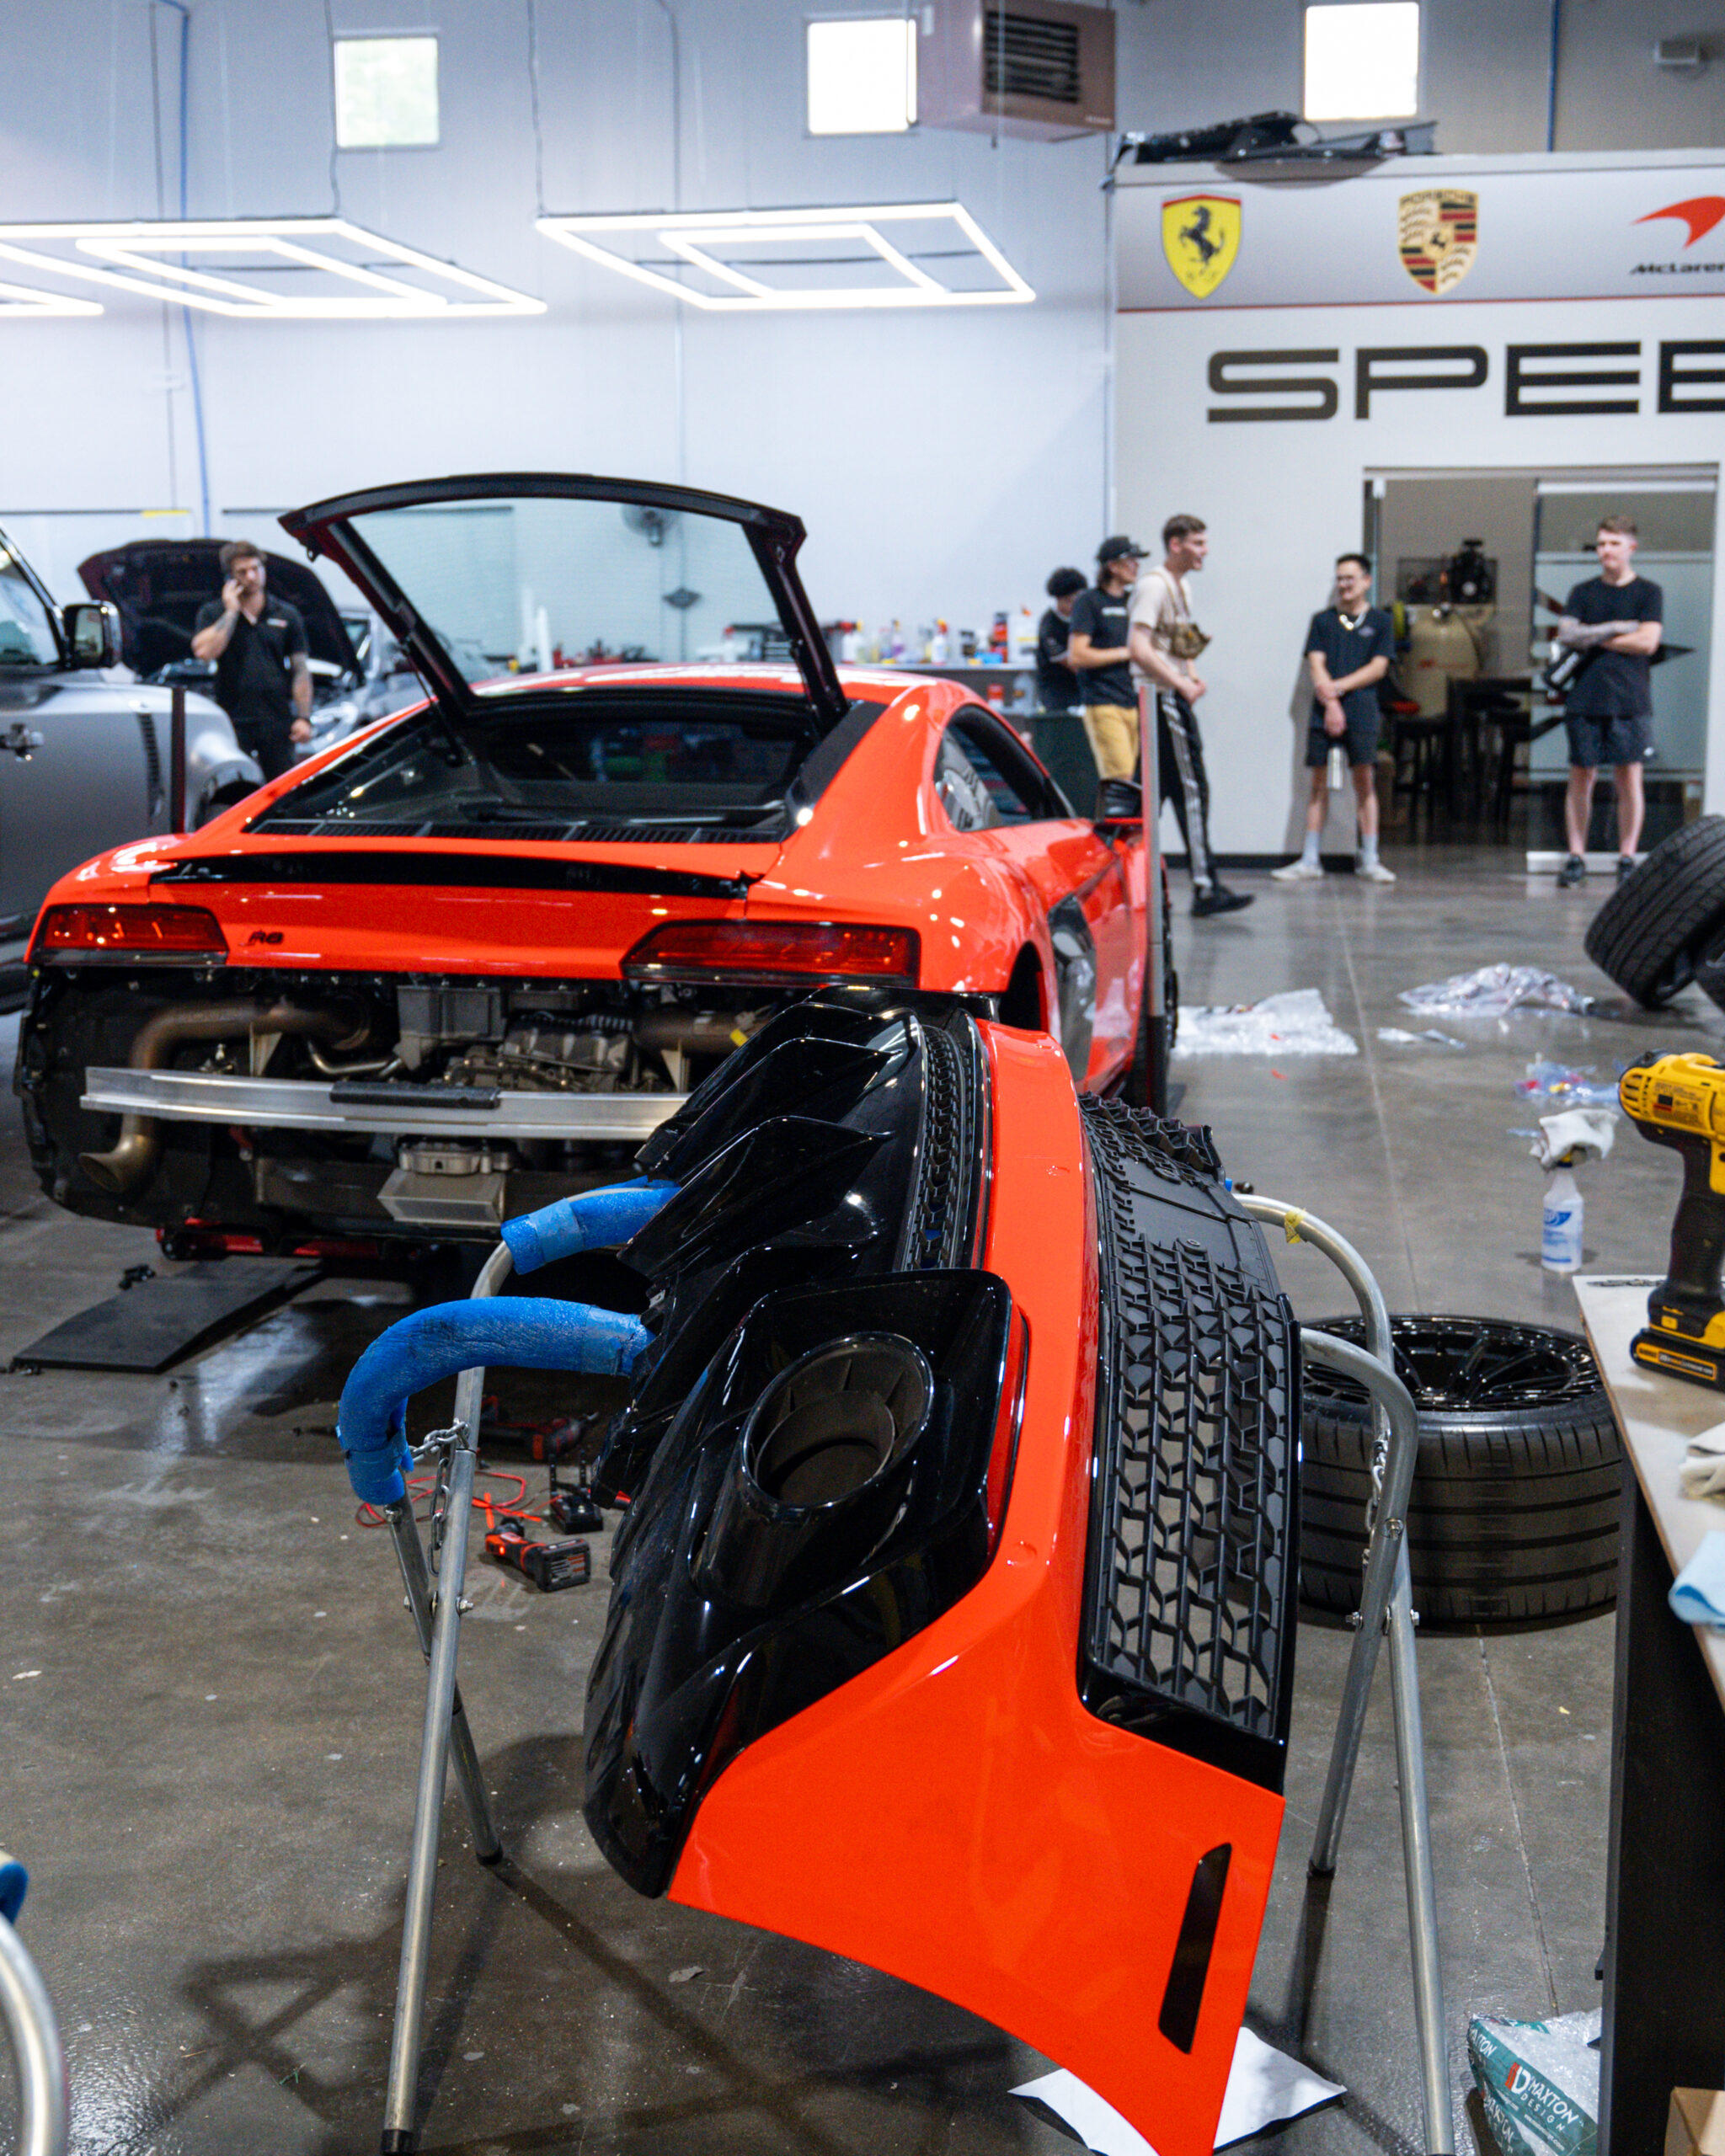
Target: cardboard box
point(1696, 2127)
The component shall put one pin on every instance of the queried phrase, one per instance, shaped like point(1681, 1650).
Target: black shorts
point(1360, 741)
point(1614, 741)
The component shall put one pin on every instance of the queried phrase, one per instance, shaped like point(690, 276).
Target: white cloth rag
point(1702, 1474)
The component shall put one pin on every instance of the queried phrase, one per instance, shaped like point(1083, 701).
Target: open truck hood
point(159, 585)
point(601, 567)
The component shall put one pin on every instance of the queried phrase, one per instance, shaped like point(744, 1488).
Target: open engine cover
point(952, 1616)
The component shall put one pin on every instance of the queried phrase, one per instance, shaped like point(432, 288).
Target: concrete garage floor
point(210, 1696)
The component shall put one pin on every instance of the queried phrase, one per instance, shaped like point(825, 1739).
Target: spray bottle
point(1564, 1140)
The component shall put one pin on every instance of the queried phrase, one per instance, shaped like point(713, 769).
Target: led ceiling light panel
point(737, 261)
point(25, 299)
point(262, 270)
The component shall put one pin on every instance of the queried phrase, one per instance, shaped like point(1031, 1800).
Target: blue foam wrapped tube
point(594, 1220)
point(14, 1881)
point(518, 1332)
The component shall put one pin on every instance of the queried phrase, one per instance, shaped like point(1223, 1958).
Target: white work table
point(1664, 1962)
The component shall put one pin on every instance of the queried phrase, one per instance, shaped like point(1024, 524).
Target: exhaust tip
point(837, 1419)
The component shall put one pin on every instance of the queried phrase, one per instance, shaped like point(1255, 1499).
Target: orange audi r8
point(466, 962)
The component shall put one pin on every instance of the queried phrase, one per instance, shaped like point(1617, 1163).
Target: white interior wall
point(943, 462)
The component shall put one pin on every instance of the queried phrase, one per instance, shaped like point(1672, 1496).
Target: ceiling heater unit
point(1041, 68)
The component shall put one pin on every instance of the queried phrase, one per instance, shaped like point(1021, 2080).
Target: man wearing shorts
point(1616, 620)
point(1098, 652)
point(1348, 651)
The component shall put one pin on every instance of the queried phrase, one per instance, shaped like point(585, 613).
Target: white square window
point(1362, 60)
point(386, 93)
point(862, 75)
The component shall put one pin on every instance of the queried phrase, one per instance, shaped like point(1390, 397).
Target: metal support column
point(442, 1731)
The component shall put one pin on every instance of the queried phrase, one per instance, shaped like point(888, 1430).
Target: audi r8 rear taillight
point(130, 931)
point(775, 953)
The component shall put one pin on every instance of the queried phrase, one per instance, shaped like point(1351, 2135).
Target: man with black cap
point(1099, 654)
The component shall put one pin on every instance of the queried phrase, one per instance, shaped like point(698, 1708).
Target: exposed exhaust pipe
point(123, 1167)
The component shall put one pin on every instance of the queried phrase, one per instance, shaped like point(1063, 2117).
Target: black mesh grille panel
point(939, 1228)
point(1193, 1555)
point(1025, 58)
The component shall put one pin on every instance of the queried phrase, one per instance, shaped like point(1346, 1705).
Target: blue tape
point(594, 1219)
point(517, 1331)
point(14, 1884)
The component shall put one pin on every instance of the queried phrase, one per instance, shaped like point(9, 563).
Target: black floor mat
point(158, 1322)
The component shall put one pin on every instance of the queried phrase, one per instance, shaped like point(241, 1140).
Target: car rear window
point(719, 758)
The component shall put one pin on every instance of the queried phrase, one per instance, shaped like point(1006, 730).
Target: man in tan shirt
point(1165, 641)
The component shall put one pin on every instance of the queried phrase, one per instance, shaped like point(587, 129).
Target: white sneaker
point(1374, 872)
point(1298, 871)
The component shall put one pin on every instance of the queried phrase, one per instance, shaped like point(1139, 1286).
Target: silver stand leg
point(1387, 1390)
point(417, 1580)
point(442, 1706)
point(1417, 1862)
point(1386, 1604)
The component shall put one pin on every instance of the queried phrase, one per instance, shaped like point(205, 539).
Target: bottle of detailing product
point(1338, 768)
point(1560, 1229)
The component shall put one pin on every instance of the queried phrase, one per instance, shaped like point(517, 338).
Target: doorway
point(1475, 565)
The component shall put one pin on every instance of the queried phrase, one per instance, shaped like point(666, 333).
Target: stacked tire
point(1514, 1515)
point(1664, 927)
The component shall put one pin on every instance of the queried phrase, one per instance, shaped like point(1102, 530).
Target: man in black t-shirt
point(1100, 654)
point(259, 644)
point(1347, 652)
point(1615, 620)
point(1057, 684)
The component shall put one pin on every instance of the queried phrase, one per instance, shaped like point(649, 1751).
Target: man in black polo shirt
point(1057, 684)
point(1347, 652)
point(1616, 620)
point(258, 645)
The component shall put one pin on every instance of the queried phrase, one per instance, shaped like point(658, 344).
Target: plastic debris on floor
point(1397, 1037)
point(1265, 2087)
point(1539, 2082)
point(1566, 1087)
point(1295, 1023)
point(1490, 991)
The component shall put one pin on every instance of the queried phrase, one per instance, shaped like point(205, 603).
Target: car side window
point(1022, 792)
point(962, 790)
point(26, 634)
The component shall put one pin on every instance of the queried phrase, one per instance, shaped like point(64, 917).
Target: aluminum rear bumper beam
point(298, 1104)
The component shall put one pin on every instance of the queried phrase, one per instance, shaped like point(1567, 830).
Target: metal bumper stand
point(38, 2063)
point(437, 1619)
point(1386, 1605)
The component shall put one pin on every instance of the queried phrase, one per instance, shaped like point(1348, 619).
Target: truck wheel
point(1514, 1512)
point(1649, 933)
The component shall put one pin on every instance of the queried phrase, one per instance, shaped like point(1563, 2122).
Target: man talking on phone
point(263, 681)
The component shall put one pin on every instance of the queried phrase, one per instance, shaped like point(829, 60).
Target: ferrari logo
point(1439, 236)
point(1200, 238)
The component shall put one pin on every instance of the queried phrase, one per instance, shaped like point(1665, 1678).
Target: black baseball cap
point(1117, 548)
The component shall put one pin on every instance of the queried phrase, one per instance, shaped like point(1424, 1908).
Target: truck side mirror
point(92, 628)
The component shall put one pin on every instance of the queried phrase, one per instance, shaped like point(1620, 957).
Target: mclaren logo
point(1699, 216)
point(1438, 234)
point(1201, 237)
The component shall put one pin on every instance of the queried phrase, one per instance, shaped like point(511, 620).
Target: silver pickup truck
point(83, 759)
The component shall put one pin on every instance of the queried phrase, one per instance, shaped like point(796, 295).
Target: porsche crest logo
point(1200, 238)
point(1438, 236)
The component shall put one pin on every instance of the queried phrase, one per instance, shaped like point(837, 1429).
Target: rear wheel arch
point(1024, 999)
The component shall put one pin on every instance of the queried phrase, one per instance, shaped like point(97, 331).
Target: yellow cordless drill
point(1679, 1101)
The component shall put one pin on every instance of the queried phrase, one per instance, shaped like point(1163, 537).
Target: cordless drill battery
point(1678, 1100)
point(549, 1566)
